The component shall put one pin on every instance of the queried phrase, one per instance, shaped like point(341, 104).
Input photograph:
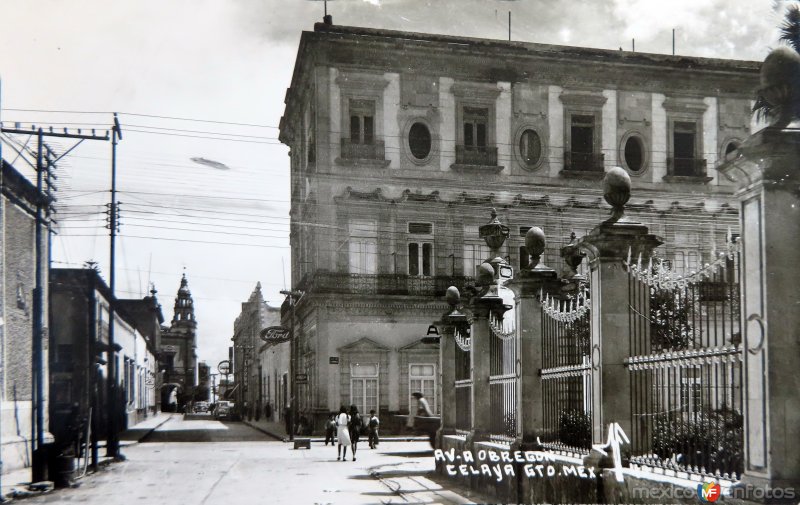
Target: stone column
point(447, 377)
point(607, 246)
point(768, 179)
point(479, 356)
point(529, 285)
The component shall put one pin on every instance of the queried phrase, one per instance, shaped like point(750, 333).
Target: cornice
point(587, 99)
point(684, 104)
point(668, 202)
point(475, 91)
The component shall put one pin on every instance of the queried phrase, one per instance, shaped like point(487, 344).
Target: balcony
point(578, 164)
point(324, 282)
point(476, 159)
point(373, 154)
point(686, 170)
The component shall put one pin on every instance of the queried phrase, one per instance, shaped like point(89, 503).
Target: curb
point(151, 430)
point(284, 438)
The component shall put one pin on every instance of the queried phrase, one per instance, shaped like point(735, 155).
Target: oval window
point(530, 147)
point(732, 146)
point(634, 154)
point(419, 141)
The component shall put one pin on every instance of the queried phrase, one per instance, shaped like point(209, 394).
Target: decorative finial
point(617, 192)
point(494, 233)
point(779, 95)
point(535, 244)
point(453, 296)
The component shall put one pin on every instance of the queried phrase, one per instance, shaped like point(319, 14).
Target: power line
point(142, 115)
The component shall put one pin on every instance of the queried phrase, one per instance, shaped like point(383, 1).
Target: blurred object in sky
point(211, 163)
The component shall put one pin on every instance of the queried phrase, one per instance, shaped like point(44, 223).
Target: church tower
point(178, 357)
point(183, 317)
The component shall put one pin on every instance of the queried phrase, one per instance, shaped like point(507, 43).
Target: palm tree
point(790, 34)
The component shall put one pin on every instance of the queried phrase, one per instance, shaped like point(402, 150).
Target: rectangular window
point(691, 394)
point(582, 134)
point(476, 120)
point(422, 379)
point(363, 247)
point(420, 258)
point(420, 252)
point(475, 250)
point(364, 386)
point(362, 121)
point(684, 148)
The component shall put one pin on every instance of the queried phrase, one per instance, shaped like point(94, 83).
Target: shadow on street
point(206, 431)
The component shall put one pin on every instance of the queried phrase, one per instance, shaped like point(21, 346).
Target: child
point(373, 429)
point(330, 430)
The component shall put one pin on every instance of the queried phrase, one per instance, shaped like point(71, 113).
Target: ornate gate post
point(531, 286)
point(607, 246)
point(767, 171)
point(492, 301)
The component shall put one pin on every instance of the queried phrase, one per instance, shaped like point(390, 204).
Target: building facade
point(18, 201)
point(79, 322)
point(258, 371)
point(178, 352)
point(401, 143)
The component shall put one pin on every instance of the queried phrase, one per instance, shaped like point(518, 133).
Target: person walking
point(330, 430)
point(356, 425)
point(343, 434)
point(374, 422)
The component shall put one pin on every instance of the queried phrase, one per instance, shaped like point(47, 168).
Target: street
point(211, 462)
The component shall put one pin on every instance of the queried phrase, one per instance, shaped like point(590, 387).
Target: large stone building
point(401, 143)
point(178, 352)
point(260, 369)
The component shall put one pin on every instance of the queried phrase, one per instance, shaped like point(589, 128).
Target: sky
point(205, 80)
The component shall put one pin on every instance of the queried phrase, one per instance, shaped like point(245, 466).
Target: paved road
point(210, 462)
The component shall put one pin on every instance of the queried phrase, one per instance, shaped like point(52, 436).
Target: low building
point(18, 201)
point(79, 322)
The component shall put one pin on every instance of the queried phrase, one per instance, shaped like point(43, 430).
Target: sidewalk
point(278, 430)
point(17, 483)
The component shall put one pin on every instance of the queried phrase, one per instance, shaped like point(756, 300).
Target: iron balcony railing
point(377, 284)
point(373, 151)
point(474, 155)
point(686, 167)
point(584, 162)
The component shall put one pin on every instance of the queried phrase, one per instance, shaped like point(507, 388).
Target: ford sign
point(275, 334)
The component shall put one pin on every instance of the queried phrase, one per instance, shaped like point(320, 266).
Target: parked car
point(223, 410)
point(201, 407)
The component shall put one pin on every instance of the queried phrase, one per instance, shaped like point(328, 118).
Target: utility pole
point(112, 443)
point(42, 265)
point(38, 471)
point(292, 363)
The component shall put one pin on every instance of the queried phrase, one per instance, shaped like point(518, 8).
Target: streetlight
point(292, 362)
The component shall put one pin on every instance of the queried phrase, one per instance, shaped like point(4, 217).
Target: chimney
point(327, 19)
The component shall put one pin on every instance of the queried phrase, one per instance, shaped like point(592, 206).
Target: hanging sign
point(224, 367)
point(333, 360)
point(275, 334)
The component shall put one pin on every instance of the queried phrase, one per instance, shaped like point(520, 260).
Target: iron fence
point(686, 367)
point(502, 378)
point(463, 384)
point(566, 374)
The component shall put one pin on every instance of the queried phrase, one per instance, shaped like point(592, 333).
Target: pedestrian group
point(348, 427)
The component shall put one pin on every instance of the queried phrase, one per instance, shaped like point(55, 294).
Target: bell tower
point(184, 309)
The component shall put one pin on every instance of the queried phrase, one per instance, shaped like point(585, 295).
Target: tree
point(670, 326)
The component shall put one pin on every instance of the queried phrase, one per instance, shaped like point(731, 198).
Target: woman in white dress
point(343, 434)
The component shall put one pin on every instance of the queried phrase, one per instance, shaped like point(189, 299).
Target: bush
point(575, 428)
point(712, 440)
